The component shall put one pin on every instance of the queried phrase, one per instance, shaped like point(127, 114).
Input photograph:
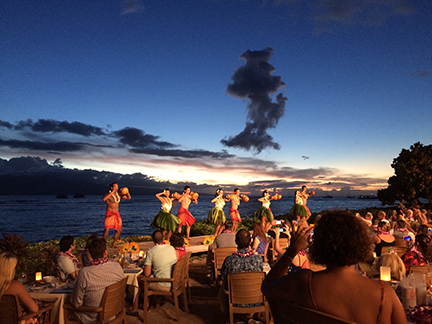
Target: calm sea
point(41, 218)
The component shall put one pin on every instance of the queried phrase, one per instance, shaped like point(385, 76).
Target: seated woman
point(259, 238)
point(394, 262)
point(177, 242)
point(383, 237)
point(10, 286)
point(340, 241)
point(419, 253)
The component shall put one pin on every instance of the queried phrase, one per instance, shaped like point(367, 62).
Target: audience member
point(423, 229)
point(418, 253)
point(340, 241)
point(177, 242)
point(93, 279)
point(67, 263)
point(402, 231)
point(383, 237)
point(85, 255)
point(10, 286)
point(300, 261)
point(394, 262)
point(259, 238)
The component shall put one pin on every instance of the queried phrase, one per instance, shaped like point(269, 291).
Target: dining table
point(61, 294)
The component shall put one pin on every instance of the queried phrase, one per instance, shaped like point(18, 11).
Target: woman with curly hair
point(177, 242)
point(339, 242)
point(10, 286)
point(164, 220)
point(216, 215)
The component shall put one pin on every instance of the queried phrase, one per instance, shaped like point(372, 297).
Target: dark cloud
point(5, 124)
point(42, 146)
point(185, 153)
point(132, 6)
point(362, 12)
point(54, 126)
point(137, 138)
point(255, 82)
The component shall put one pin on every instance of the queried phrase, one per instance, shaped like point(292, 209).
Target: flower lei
point(116, 197)
point(384, 233)
point(98, 261)
point(402, 230)
point(162, 243)
point(70, 256)
point(180, 248)
point(228, 231)
point(244, 255)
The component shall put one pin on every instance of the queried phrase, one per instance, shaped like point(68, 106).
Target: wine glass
point(22, 277)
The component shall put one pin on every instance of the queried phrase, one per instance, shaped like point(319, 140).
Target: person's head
point(8, 262)
point(383, 226)
point(219, 192)
point(157, 237)
point(402, 224)
point(236, 191)
point(113, 186)
point(409, 213)
point(177, 239)
point(423, 229)
point(265, 193)
point(243, 239)
point(66, 243)
point(167, 192)
point(187, 189)
point(97, 248)
point(368, 216)
point(381, 215)
point(303, 188)
point(340, 239)
point(394, 262)
point(229, 224)
point(422, 242)
point(258, 229)
point(90, 239)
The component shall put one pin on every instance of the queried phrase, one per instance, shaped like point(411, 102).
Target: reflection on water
point(40, 218)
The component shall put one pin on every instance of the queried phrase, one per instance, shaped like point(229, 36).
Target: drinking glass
point(22, 277)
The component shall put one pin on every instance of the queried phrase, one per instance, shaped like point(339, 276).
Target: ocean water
point(41, 218)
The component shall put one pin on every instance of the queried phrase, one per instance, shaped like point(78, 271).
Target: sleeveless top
point(220, 203)
point(166, 207)
point(380, 307)
point(380, 245)
point(266, 204)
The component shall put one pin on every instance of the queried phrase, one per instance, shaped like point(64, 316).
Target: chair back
point(9, 309)
point(245, 287)
point(178, 274)
point(113, 300)
point(401, 242)
point(219, 255)
point(264, 255)
point(396, 249)
point(285, 312)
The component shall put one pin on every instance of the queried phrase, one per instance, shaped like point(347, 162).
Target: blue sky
point(148, 80)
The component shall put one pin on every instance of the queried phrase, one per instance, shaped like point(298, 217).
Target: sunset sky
point(324, 93)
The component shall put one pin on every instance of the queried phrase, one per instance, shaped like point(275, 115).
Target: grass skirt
point(298, 210)
point(263, 212)
point(216, 216)
point(166, 221)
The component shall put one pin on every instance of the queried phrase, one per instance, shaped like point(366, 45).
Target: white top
point(166, 207)
point(66, 265)
point(161, 258)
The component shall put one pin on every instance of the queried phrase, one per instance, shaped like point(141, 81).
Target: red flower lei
point(227, 231)
point(244, 255)
point(180, 248)
point(98, 261)
point(70, 256)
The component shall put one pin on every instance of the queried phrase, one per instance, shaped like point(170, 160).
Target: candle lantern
point(38, 276)
point(141, 253)
point(385, 273)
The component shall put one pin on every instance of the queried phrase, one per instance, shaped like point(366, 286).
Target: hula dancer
point(184, 214)
point(235, 202)
point(164, 220)
point(264, 214)
point(112, 216)
point(300, 210)
point(216, 215)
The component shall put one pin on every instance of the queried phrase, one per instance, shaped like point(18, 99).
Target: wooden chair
point(283, 243)
point(10, 311)
point(401, 242)
point(285, 312)
point(396, 249)
point(219, 255)
point(186, 274)
point(112, 305)
point(177, 287)
point(245, 288)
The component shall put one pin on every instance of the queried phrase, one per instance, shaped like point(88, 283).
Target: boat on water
point(371, 196)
